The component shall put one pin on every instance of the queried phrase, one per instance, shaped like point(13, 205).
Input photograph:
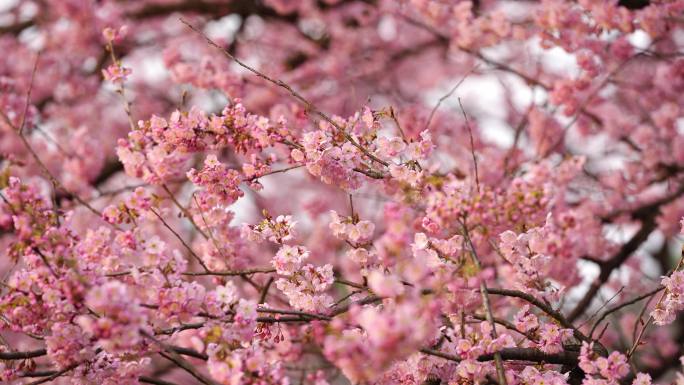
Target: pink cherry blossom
point(116, 74)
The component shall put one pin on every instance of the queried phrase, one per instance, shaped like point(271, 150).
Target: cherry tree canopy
point(341, 192)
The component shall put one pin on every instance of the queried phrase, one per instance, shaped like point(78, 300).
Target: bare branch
point(28, 95)
point(472, 145)
point(445, 97)
point(174, 357)
point(516, 354)
point(622, 305)
point(613, 263)
point(264, 270)
point(187, 247)
point(22, 355)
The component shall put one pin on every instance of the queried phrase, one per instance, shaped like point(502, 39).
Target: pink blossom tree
point(341, 191)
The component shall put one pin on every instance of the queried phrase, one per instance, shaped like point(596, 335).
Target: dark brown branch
point(647, 215)
point(517, 354)
point(634, 4)
point(534, 301)
point(284, 319)
point(189, 352)
point(175, 329)
point(368, 300)
point(54, 375)
point(534, 355)
point(16, 28)
point(264, 292)
point(154, 381)
point(546, 308)
point(109, 169)
point(143, 379)
point(437, 353)
point(648, 209)
point(233, 273)
point(507, 324)
point(174, 357)
point(648, 225)
point(22, 355)
point(242, 8)
point(294, 312)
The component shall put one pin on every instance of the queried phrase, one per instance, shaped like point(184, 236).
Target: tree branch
point(647, 227)
point(516, 354)
point(22, 355)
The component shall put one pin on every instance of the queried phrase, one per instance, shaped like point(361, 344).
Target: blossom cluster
point(350, 230)
point(606, 370)
point(666, 310)
point(278, 230)
point(385, 335)
point(305, 286)
point(220, 182)
point(117, 322)
point(159, 149)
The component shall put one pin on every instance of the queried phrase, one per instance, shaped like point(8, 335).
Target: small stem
point(187, 247)
point(500, 372)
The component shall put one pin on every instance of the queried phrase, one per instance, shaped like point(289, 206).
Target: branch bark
point(22, 355)
point(517, 354)
point(607, 268)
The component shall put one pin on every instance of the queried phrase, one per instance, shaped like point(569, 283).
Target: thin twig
point(55, 182)
point(350, 283)
point(28, 94)
point(393, 116)
point(174, 357)
point(183, 210)
point(516, 138)
point(46, 262)
point(446, 96)
point(622, 305)
point(187, 247)
point(189, 352)
point(294, 312)
point(264, 292)
point(211, 233)
point(366, 301)
point(650, 318)
point(121, 90)
point(586, 321)
point(472, 145)
point(501, 374)
point(273, 172)
point(507, 324)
